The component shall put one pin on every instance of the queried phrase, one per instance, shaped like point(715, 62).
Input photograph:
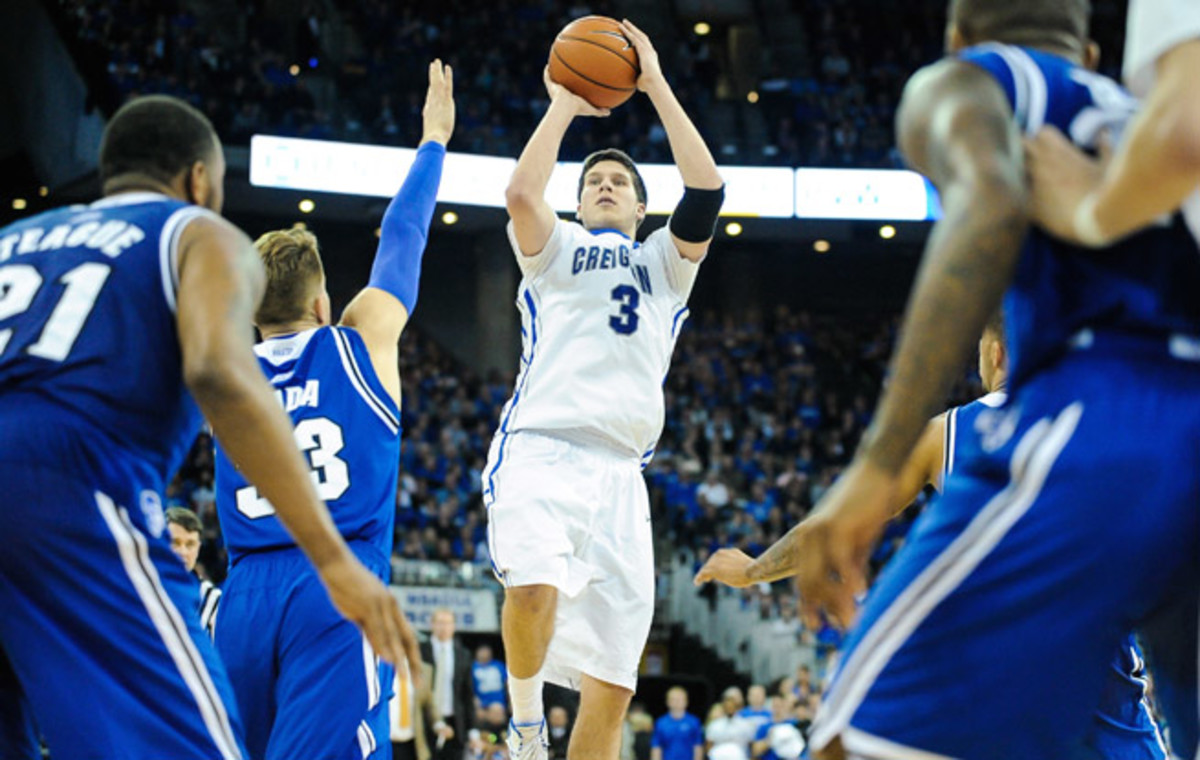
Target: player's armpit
point(379, 318)
point(693, 252)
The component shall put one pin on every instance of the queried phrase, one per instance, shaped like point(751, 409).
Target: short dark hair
point(156, 136)
point(185, 518)
point(995, 325)
point(1022, 21)
point(621, 157)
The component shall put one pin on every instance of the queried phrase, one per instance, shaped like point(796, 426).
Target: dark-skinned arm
point(732, 566)
point(955, 126)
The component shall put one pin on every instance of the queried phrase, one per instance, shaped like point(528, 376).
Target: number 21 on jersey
point(320, 438)
point(19, 283)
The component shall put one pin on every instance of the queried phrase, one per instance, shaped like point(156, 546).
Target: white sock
point(526, 695)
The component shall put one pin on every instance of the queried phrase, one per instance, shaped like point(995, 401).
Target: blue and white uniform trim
point(681, 316)
point(366, 740)
point(135, 557)
point(948, 445)
point(528, 306)
point(359, 381)
point(1031, 93)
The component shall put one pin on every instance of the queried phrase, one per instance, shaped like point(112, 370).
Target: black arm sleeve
point(695, 218)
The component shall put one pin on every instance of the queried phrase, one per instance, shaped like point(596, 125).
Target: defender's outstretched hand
point(651, 75)
point(438, 114)
point(579, 106)
point(728, 566)
point(365, 601)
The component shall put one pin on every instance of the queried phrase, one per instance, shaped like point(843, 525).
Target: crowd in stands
point(258, 73)
point(766, 722)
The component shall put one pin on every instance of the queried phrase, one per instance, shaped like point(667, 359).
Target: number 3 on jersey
point(625, 321)
point(321, 439)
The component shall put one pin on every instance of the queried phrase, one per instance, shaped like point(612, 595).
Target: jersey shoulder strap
point(356, 362)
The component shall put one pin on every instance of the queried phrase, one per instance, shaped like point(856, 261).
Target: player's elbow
point(520, 196)
point(1181, 135)
point(212, 378)
point(1001, 192)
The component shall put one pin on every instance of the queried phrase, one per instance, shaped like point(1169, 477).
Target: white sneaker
point(528, 742)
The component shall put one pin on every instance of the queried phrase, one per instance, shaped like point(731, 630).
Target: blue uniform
point(325, 696)
point(1123, 727)
point(99, 615)
point(997, 621)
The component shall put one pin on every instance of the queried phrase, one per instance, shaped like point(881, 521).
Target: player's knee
point(531, 601)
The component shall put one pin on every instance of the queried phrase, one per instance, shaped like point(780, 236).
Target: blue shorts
point(100, 627)
point(306, 681)
point(990, 634)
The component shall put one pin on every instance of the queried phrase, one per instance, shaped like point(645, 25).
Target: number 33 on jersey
point(345, 424)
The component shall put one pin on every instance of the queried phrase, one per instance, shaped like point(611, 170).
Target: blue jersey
point(1122, 719)
point(1145, 284)
point(348, 427)
point(90, 367)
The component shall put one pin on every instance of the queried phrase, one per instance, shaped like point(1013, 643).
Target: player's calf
point(528, 625)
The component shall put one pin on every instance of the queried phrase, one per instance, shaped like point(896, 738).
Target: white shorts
point(577, 518)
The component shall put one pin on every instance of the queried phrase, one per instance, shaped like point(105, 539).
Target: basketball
point(592, 58)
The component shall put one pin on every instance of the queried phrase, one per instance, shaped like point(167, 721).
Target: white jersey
point(599, 317)
point(1153, 28)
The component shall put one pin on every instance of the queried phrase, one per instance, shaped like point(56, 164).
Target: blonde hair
point(292, 259)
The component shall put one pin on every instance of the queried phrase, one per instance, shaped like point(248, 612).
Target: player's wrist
point(330, 555)
point(656, 86)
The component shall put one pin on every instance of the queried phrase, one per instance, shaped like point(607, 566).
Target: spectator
point(726, 727)
point(779, 739)
point(558, 720)
point(804, 688)
point(452, 695)
point(641, 727)
point(756, 713)
point(185, 529)
point(488, 678)
point(678, 734)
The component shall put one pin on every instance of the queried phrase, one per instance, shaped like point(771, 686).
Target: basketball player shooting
point(568, 511)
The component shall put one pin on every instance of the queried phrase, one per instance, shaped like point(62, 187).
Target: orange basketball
point(592, 58)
